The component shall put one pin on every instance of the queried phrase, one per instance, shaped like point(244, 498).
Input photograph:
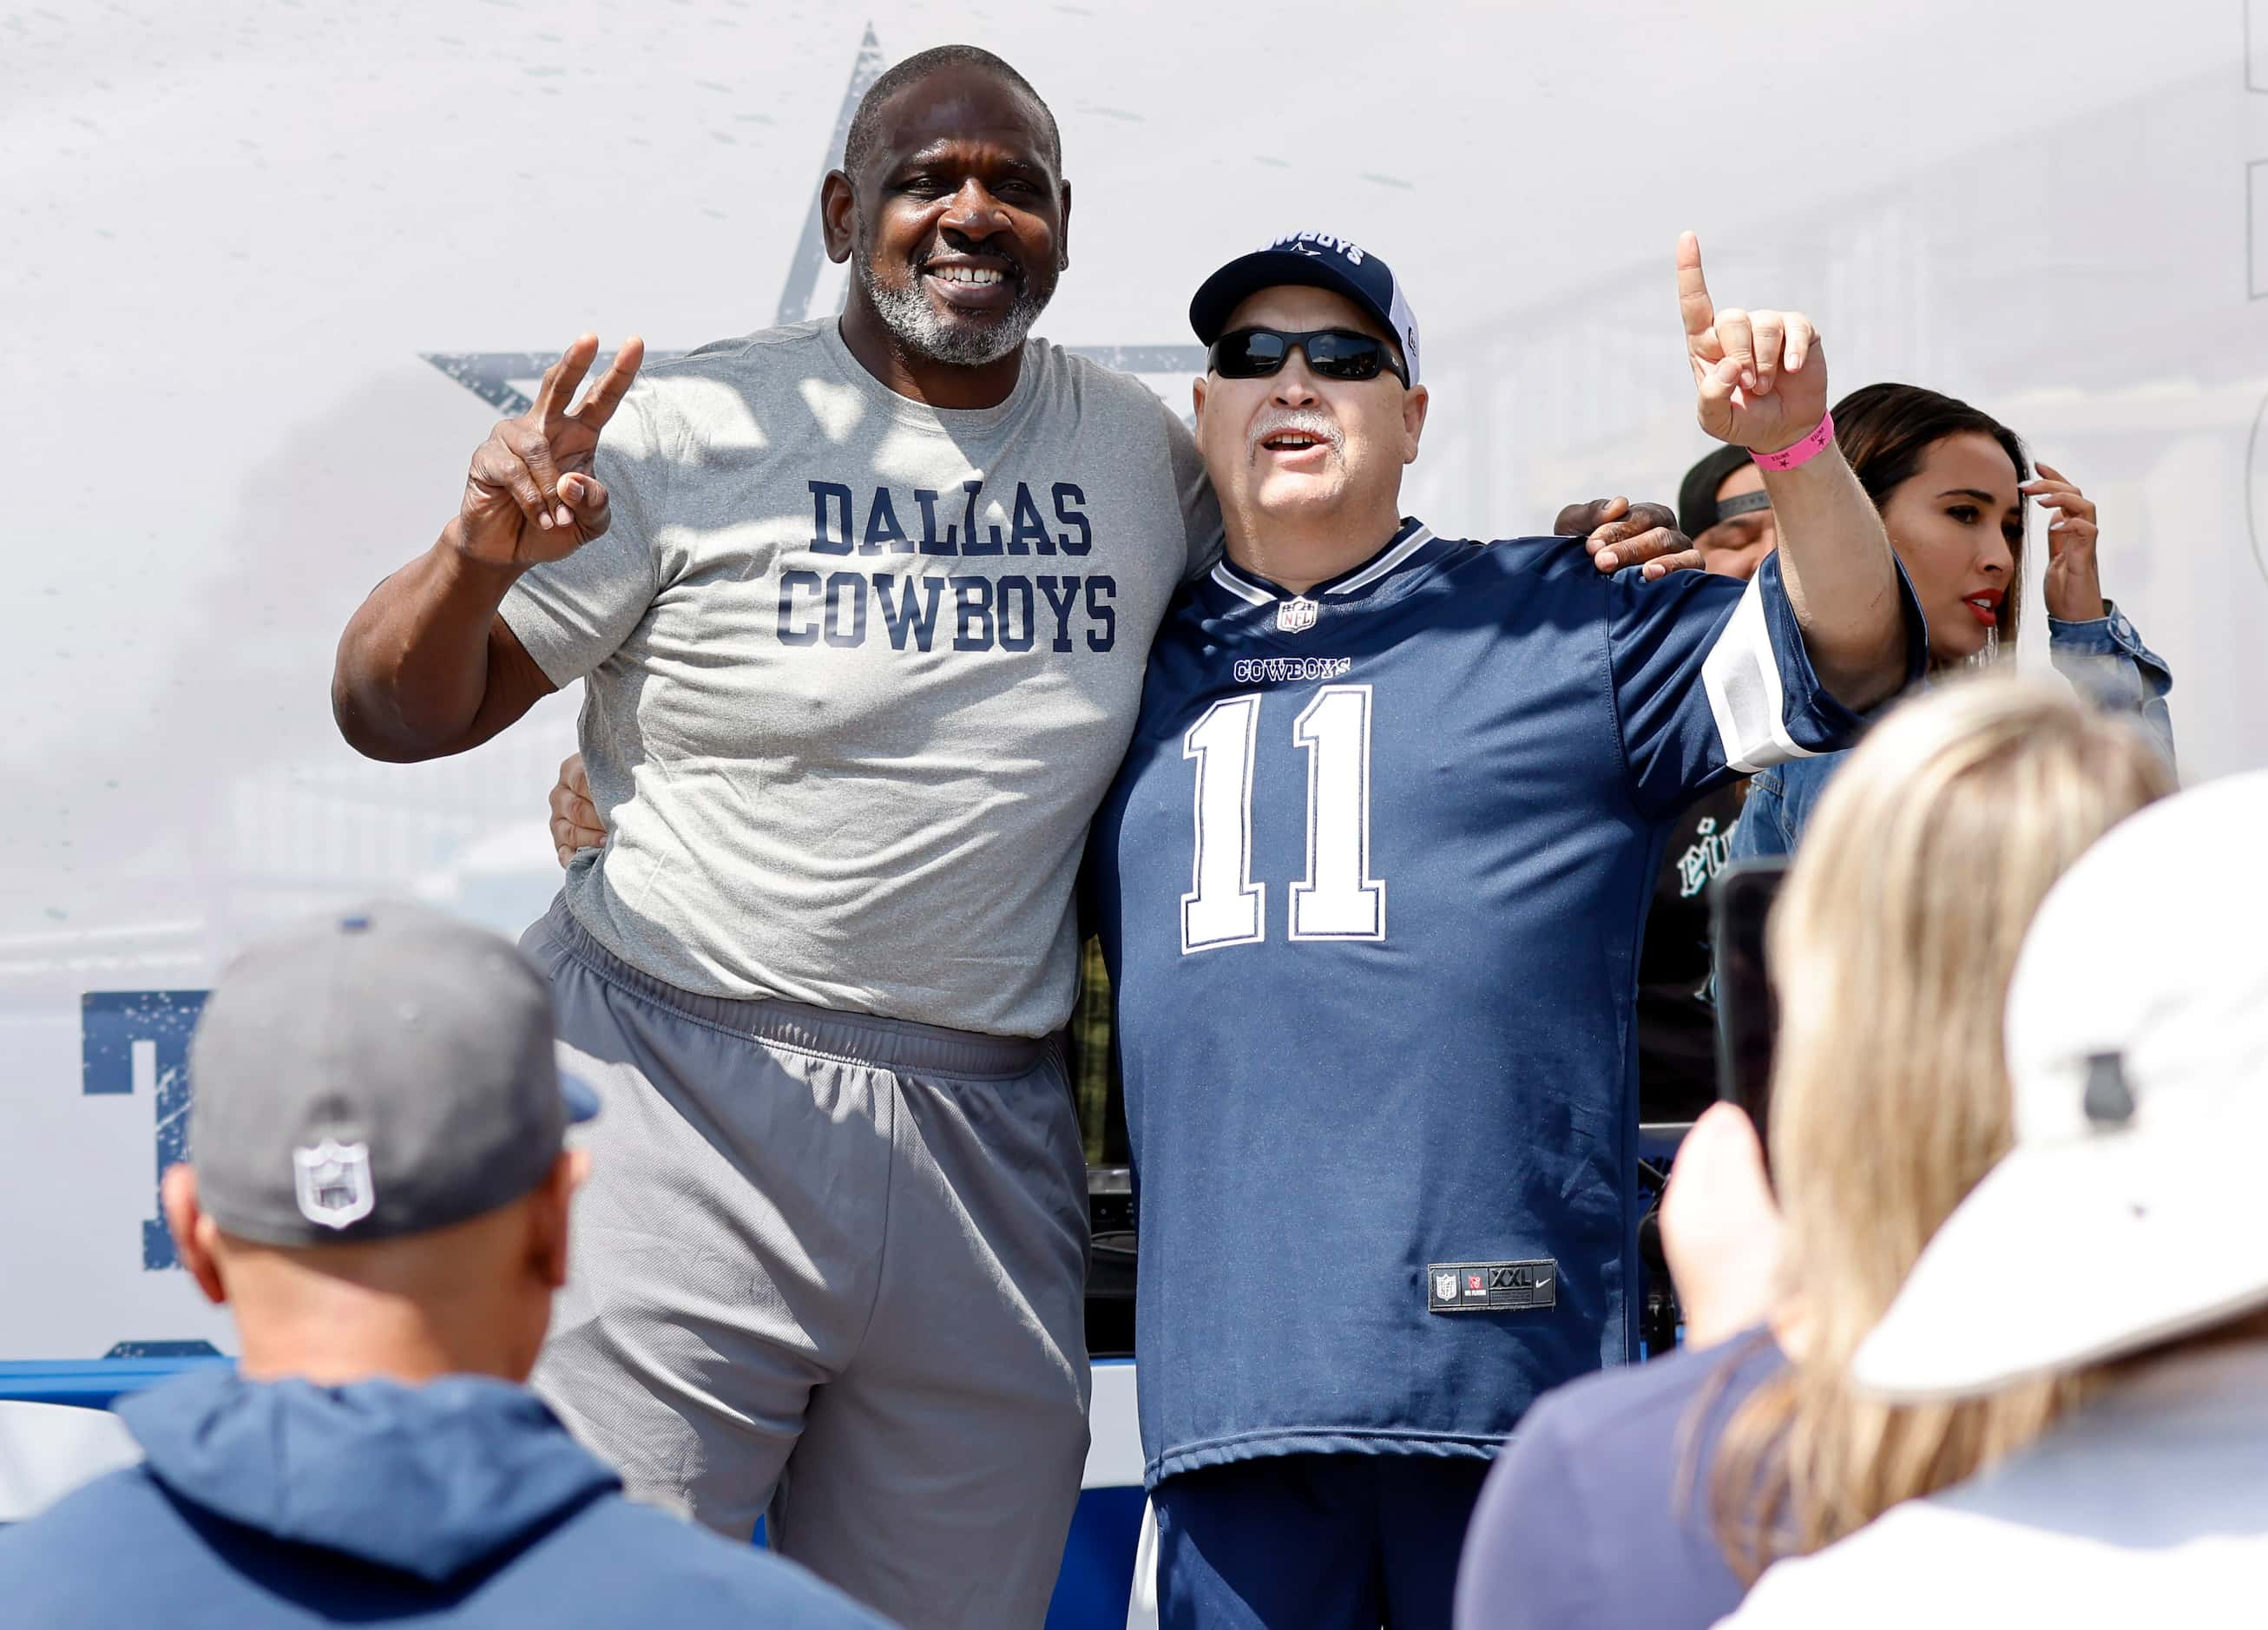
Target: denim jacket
point(2104, 657)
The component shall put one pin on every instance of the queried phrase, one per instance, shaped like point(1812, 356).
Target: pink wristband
point(1804, 450)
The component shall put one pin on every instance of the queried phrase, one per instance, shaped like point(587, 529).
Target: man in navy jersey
point(1370, 884)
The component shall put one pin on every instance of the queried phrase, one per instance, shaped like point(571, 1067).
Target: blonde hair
point(1892, 945)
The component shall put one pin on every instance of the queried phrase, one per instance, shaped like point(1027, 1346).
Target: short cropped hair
point(859, 146)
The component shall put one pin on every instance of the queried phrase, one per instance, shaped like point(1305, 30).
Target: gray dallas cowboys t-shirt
point(860, 670)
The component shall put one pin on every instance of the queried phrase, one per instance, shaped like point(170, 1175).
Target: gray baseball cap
point(381, 1072)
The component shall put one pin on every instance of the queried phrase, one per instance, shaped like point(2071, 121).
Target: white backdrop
point(236, 234)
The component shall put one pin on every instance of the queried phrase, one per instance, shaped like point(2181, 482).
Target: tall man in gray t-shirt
point(861, 611)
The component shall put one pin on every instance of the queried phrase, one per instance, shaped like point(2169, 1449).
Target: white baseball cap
point(2127, 1214)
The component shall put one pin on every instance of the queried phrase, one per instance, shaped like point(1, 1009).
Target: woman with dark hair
point(1950, 482)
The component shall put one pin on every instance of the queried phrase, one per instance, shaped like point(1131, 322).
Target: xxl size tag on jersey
point(1492, 1286)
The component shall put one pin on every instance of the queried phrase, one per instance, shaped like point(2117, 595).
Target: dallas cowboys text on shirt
point(921, 610)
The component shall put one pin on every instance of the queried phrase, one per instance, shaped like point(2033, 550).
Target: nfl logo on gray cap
point(334, 1183)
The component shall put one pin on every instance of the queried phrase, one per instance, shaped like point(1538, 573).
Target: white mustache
point(1276, 421)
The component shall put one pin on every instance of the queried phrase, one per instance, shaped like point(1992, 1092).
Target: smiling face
point(1296, 451)
point(1957, 522)
point(955, 224)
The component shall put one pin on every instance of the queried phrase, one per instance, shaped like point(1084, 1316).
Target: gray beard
point(908, 315)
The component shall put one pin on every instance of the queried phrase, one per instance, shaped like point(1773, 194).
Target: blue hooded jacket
point(461, 1503)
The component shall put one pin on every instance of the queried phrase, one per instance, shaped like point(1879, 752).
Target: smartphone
point(1747, 1014)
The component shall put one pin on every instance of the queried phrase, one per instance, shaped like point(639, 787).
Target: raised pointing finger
point(1694, 306)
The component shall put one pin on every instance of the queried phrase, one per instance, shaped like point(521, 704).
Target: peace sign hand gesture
point(530, 496)
point(1759, 376)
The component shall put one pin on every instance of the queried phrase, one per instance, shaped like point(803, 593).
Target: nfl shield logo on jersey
point(333, 1183)
point(1296, 616)
point(1445, 1287)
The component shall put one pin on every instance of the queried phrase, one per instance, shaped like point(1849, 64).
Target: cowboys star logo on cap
point(332, 1181)
point(1296, 616)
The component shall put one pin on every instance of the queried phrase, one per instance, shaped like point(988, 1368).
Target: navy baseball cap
point(1317, 260)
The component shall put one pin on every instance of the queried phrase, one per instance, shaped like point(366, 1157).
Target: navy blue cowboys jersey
point(1371, 885)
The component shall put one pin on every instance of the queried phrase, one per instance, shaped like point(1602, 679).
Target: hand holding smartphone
point(1747, 1014)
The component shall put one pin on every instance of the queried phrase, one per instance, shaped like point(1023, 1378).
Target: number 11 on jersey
point(1338, 899)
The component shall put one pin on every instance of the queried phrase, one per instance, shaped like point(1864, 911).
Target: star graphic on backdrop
point(497, 376)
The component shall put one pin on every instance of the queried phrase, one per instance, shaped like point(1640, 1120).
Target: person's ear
point(194, 1232)
point(1197, 402)
point(1414, 402)
point(1063, 232)
point(553, 1201)
point(838, 215)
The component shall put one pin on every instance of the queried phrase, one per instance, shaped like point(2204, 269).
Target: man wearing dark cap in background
point(379, 1190)
point(1723, 507)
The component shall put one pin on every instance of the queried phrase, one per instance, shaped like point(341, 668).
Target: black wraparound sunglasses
point(1334, 353)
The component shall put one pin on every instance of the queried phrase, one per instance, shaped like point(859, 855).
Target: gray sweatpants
point(829, 1268)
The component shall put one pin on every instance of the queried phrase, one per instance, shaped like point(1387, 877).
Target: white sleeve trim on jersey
point(1746, 695)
